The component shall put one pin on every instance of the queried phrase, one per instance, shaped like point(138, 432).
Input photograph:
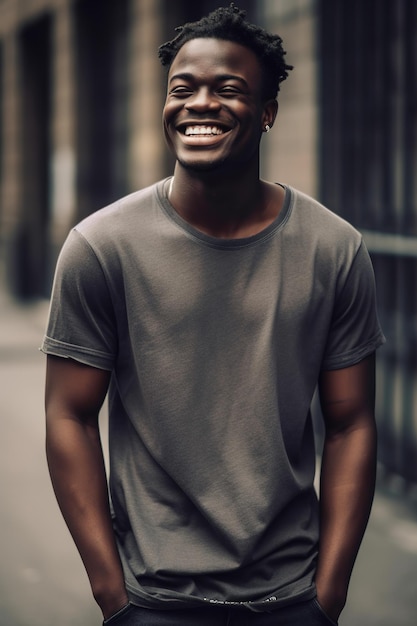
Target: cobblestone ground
point(42, 581)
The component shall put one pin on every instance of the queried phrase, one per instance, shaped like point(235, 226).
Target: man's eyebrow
point(219, 77)
point(182, 76)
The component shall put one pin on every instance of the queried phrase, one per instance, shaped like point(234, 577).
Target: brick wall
point(79, 176)
point(290, 150)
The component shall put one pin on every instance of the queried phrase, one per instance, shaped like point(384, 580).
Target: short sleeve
point(81, 321)
point(355, 331)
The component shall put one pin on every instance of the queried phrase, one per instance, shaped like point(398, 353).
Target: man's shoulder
point(318, 218)
point(122, 214)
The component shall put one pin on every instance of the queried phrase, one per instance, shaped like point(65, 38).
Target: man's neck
point(229, 207)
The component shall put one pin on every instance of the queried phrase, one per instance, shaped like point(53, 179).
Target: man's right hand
point(111, 606)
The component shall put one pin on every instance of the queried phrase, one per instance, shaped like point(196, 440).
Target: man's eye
point(180, 91)
point(229, 91)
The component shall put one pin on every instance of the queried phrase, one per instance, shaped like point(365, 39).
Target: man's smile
point(203, 133)
point(203, 130)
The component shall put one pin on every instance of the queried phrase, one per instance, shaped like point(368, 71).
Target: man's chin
point(201, 166)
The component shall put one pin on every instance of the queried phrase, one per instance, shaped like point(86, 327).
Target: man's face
point(214, 113)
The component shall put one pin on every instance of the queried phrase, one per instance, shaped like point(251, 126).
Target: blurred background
point(81, 94)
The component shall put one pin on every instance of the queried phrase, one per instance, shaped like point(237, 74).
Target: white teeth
point(203, 130)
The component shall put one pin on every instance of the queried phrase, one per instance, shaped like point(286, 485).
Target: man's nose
point(202, 100)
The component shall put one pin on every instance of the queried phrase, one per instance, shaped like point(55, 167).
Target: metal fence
point(368, 57)
point(396, 275)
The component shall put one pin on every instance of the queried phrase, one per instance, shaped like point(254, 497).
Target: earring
point(267, 128)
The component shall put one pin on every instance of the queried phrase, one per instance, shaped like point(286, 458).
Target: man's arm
point(347, 481)
point(74, 396)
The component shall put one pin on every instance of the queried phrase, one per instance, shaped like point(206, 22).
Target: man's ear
point(270, 113)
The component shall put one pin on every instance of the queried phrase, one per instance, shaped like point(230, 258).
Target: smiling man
point(210, 307)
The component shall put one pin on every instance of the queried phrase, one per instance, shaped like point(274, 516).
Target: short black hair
point(230, 24)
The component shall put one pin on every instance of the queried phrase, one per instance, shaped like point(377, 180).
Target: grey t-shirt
point(215, 346)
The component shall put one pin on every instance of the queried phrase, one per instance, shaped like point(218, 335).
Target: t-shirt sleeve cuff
point(347, 359)
point(88, 356)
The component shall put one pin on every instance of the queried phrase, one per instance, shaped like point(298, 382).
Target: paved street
point(42, 581)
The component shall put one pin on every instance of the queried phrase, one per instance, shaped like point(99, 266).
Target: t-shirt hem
point(148, 601)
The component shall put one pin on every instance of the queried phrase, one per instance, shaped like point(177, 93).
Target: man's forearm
point(346, 493)
point(78, 475)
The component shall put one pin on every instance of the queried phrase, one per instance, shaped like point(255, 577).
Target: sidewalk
point(42, 580)
point(21, 325)
point(383, 586)
point(39, 562)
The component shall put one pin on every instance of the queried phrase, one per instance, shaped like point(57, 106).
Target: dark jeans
point(307, 613)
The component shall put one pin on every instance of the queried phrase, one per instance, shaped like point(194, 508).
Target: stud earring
point(267, 128)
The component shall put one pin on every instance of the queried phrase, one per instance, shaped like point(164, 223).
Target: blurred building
point(81, 94)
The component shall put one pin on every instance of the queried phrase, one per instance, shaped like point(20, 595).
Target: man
point(211, 305)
